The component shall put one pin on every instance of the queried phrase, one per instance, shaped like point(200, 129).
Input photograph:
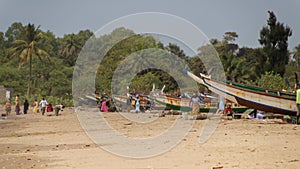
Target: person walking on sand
point(7, 108)
point(298, 106)
point(43, 103)
point(35, 106)
point(17, 108)
point(26, 106)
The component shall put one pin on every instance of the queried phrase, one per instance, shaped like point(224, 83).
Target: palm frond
point(42, 52)
point(19, 42)
point(24, 56)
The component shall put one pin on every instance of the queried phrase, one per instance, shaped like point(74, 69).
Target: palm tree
point(71, 48)
point(27, 47)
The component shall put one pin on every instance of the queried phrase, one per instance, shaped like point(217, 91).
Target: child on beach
point(7, 108)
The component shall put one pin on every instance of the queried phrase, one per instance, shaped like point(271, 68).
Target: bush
point(270, 80)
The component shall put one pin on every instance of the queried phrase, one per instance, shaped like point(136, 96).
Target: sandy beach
point(36, 141)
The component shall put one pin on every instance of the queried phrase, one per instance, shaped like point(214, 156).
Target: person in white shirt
point(43, 103)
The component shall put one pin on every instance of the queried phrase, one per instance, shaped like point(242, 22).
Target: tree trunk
point(29, 79)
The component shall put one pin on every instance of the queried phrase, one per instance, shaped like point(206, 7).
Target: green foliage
point(274, 39)
point(14, 78)
point(53, 77)
point(270, 80)
point(144, 82)
point(27, 46)
point(59, 100)
point(230, 36)
point(120, 51)
point(295, 59)
point(290, 71)
point(14, 32)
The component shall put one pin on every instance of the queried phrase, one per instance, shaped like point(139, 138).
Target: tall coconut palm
point(70, 49)
point(29, 46)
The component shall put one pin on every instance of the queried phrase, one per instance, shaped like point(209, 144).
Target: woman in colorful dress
point(35, 106)
point(17, 108)
point(103, 106)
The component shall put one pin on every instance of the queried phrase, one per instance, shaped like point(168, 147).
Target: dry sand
point(36, 141)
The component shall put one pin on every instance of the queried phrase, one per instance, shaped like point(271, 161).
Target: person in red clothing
point(228, 110)
point(49, 108)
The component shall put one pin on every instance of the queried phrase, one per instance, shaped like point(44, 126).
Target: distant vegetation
point(36, 63)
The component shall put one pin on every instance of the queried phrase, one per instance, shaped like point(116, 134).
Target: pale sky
point(213, 17)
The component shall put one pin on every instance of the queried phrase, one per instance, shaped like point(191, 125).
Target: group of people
point(17, 106)
point(103, 102)
point(43, 103)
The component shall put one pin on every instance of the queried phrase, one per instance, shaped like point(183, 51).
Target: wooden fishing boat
point(122, 101)
point(183, 104)
point(249, 96)
point(173, 103)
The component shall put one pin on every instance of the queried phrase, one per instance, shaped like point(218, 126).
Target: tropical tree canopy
point(274, 39)
point(44, 63)
point(29, 46)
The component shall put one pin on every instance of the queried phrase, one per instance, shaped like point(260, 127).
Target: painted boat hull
point(256, 100)
point(183, 105)
point(174, 104)
point(122, 102)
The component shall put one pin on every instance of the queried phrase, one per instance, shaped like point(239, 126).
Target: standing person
point(17, 108)
point(26, 106)
point(137, 105)
point(298, 106)
point(35, 106)
point(17, 99)
point(43, 103)
point(7, 107)
point(195, 105)
point(221, 106)
point(128, 103)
